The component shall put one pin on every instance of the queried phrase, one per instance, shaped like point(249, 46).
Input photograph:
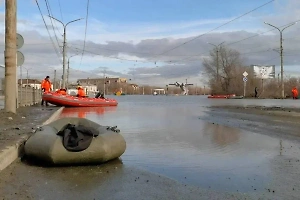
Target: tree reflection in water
point(222, 135)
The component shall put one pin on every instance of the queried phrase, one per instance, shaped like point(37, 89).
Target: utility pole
point(217, 50)
point(104, 81)
point(64, 48)
point(68, 70)
point(21, 83)
point(281, 54)
point(10, 56)
point(54, 85)
point(27, 78)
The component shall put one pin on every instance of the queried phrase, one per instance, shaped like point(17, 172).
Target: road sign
point(20, 41)
point(245, 79)
point(245, 74)
point(20, 58)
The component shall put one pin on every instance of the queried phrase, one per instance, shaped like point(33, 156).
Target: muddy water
point(167, 135)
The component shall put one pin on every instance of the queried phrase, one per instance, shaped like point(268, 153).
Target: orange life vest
point(81, 92)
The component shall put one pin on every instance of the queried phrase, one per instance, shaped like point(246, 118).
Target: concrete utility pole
point(27, 75)
point(281, 54)
point(10, 56)
point(217, 48)
point(68, 70)
point(64, 48)
point(54, 85)
point(104, 81)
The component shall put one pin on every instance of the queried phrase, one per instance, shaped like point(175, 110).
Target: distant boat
point(235, 97)
point(221, 96)
point(119, 93)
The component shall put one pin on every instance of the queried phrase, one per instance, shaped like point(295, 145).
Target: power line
point(86, 22)
point(62, 19)
point(216, 28)
point(238, 41)
point(50, 13)
point(120, 51)
point(189, 56)
point(48, 31)
point(111, 56)
point(32, 44)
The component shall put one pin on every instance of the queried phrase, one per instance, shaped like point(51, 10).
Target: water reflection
point(222, 135)
point(166, 136)
point(82, 112)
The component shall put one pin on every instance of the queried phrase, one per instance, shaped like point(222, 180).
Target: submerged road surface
point(177, 148)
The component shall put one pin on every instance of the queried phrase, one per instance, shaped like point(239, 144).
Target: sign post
point(245, 74)
point(20, 61)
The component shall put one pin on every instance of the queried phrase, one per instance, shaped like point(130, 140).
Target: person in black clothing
point(100, 95)
point(255, 91)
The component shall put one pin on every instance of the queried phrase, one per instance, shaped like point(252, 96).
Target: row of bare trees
point(149, 90)
point(224, 68)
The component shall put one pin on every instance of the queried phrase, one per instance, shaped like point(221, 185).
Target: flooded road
point(166, 135)
point(176, 137)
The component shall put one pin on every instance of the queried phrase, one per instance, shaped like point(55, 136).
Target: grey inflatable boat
point(75, 141)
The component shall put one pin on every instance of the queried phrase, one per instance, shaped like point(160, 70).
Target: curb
point(11, 153)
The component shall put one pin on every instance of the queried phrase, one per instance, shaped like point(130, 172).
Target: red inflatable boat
point(71, 101)
point(221, 96)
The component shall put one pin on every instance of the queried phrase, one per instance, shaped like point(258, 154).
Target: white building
point(33, 83)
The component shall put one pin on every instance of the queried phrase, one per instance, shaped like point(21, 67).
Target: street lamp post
point(281, 53)
point(68, 70)
point(21, 93)
point(217, 48)
point(64, 48)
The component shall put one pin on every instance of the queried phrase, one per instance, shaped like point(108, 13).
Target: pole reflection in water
point(280, 142)
point(81, 112)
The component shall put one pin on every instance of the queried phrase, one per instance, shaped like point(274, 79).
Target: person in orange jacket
point(80, 92)
point(295, 93)
point(62, 91)
point(46, 87)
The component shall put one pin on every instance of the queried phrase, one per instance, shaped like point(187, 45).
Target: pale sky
point(153, 42)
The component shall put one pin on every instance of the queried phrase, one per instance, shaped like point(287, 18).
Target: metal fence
point(28, 96)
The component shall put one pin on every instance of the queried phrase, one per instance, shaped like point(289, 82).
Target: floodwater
point(165, 135)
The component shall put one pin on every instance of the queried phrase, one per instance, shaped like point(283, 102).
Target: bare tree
point(224, 71)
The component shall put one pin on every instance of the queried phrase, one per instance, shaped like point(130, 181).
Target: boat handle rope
point(113, 128)
point(39, 128)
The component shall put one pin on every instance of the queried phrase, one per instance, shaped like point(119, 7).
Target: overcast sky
point(153, 42)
